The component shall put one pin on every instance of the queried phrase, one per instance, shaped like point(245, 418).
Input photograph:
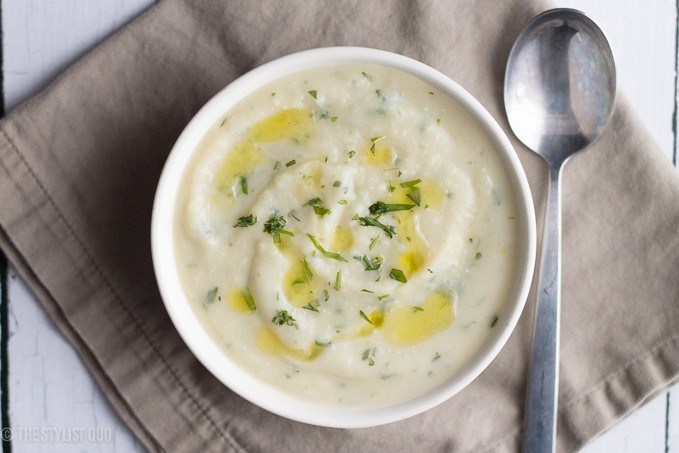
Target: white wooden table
point(48, 385)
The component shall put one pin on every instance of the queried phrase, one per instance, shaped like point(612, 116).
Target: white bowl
point(203, 346)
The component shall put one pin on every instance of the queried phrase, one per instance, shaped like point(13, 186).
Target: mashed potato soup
point(346, 234)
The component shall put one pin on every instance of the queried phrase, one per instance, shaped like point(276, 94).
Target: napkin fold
point(79, 164)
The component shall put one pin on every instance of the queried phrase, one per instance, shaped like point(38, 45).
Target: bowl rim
point(198, 339)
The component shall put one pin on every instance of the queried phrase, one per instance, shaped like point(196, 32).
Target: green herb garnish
point(313, 306)
point(331, 255)
point(373, 241)
point(417, 308)
point(338, 281)
point(381, 207)
point(326, 295)
point(211, 295)
point(249, 300)
point(398, 275)
point(293, 214)
point(414, 195)
point(478, 255)
point(383, 296)
point(313, 93)
point(336, 184)
point(291, 163)
point(364, 316)
point(342, 202)
point(390, 188)
point(493, 321)
point(320, 210)
point(308, 275)
point(244, 222)
point(334, 118)
point(370, 221)
point(412, 183)
point(367, 291)
point(375, 140)
point(371, 264)
point(436, 356)
point(275, 227)
point(366, 75)
point(352, 153)
point(244, 185)
point(283, 317)
point(277, 165)
point(323, 343)
point(369, 355)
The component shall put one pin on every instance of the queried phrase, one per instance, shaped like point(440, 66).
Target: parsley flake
point(331, 255)
point(398, 275)
point(244, 222)
point(283, 317)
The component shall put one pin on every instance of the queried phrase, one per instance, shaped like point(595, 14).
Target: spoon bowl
point(559, 95)
point(560, 84)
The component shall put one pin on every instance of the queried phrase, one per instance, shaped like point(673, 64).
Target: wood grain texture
point(49, 386)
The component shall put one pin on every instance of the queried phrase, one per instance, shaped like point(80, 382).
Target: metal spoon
point(559, 96)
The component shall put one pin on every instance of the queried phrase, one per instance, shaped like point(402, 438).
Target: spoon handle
point(543, 379)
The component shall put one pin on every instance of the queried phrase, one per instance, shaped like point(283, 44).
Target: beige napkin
point(79, 164)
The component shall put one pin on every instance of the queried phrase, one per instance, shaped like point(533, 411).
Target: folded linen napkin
point(79, 164)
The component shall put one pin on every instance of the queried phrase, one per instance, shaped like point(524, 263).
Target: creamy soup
point(346, 234)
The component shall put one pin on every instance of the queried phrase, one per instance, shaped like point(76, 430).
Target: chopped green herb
point(211, 295)
point(430, 271)
point(383, 296)
point(375, 140)
point(338, 281)
point(381, 207)
point(378, 92)
point(336, 183)
point(438, 120)
point(412, 183)
point(367, 291)
point(275, 226)
point(320, 210)
point(308, 275)
point(471, 240)
point(493, 321)
point(431, 92)
point(277, 165)
point(352, 153)
point(390, 188)
point(366, 75)
point(314, 202)
point(283, 317)
point(373, 241)
point(323, 343)
point(326, 295)
point(369, 355)
point(223, 122)
point(244, 185)
point(291, 163)
point(370, 221)
point(398, 275)
point(313, 93)
point(249, 300)
point(334, 118)
point(364, 316)
point(313, 306)
point(273, 93)
point(331, 255)
point(436, 356)
point(414, 195)
point(293, 214)
point(478, 255)
point(417, 308)
point(511, 217)
point(371, 264)
point(244, 222)
point(342, 202)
